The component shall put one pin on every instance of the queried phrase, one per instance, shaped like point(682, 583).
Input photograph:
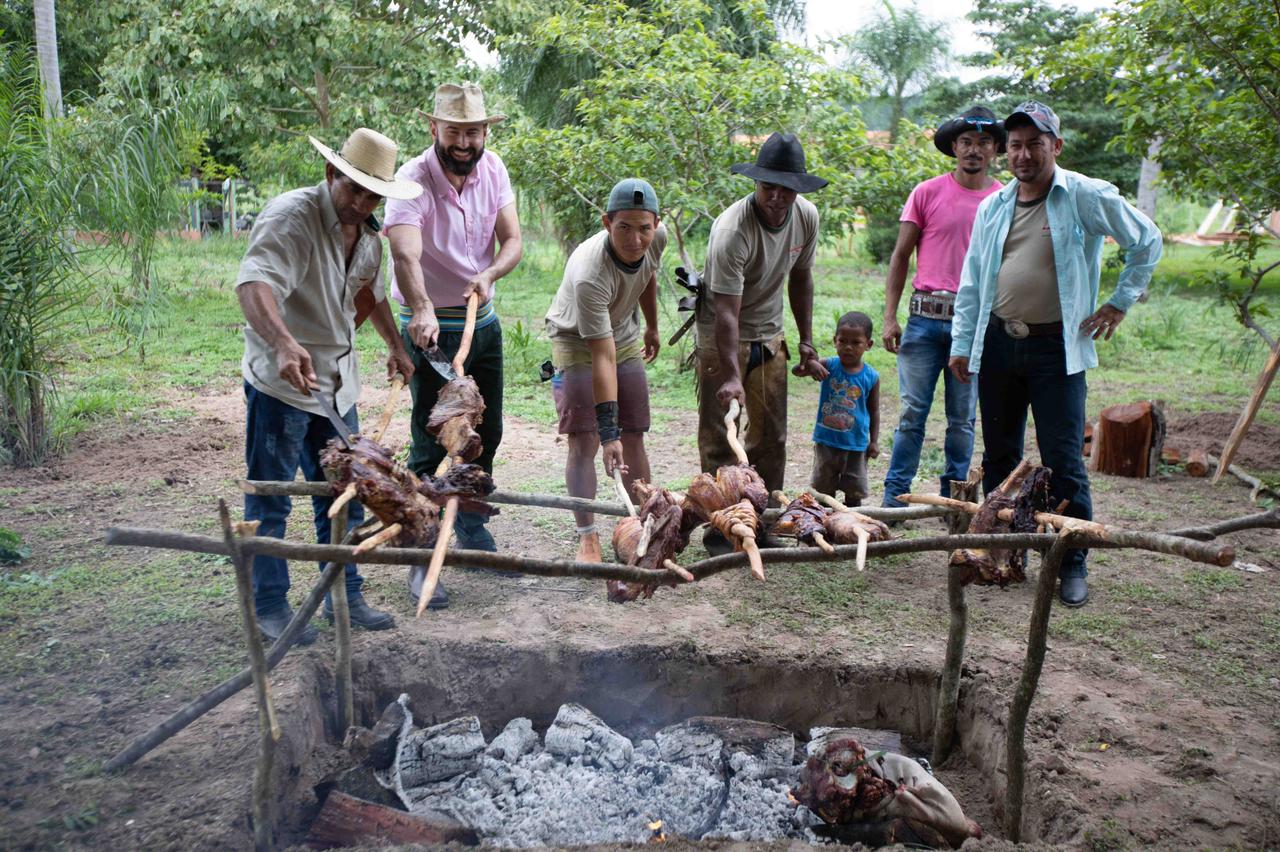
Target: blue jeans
point(1032, 372)
point(278, 440)
point(926, 346)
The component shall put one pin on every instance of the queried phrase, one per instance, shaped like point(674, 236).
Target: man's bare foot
point(589, 548)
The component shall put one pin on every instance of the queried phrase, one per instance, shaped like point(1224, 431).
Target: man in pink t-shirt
point(936, 224)
point(460, 236)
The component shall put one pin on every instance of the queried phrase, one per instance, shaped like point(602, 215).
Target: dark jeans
point(1032, 371)
point(278, 440)
point(484, 364)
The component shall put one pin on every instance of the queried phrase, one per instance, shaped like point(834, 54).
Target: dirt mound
point(1260, 450)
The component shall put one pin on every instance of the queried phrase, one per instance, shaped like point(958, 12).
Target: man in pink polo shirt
point(936, 224)
point(443, 247)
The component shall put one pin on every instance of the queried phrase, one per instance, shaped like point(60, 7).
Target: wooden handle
point(823, 545)
point(348, 494)
point(468, 330)
point(731, 431)
point(437, 555)
point(393, 397)
point(623, 496)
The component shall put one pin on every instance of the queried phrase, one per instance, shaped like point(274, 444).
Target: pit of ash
point(583, 782)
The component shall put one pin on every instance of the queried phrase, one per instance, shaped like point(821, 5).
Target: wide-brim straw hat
point(781, 161)
point(369, 159)
point(461, 105)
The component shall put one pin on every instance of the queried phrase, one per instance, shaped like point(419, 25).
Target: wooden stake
point(1250, 411)
point(748, 538)
point(731, 431)
point(623, 496)
point(339, 503)
point(1020, 707)
point(468, 331)
point(677, 570)
point(269, 726)
point(184, 716)
point(437, 555)
point(342, 633)
point(823, 545)
point(944, 723)
point(381, 537)
point(389, 409)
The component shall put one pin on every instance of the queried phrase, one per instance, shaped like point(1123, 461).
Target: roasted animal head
point(839, 785)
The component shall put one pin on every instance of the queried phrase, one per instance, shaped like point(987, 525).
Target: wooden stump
point(1198, 462)
point(347, 821)
point(1128, 440)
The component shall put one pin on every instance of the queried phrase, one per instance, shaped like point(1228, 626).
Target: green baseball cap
point(632, 194)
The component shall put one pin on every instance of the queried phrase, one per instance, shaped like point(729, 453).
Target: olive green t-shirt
point(1027, 285)
point(599, 295)
point(749, 259)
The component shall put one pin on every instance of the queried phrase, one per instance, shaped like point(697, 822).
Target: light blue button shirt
point(1082, 212)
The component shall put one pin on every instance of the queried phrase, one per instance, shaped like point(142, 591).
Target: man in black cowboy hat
point(756, 243)
point(936, 223)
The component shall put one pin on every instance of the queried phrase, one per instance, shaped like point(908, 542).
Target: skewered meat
point(880, 800)
point(662, 515)
point(1001, 567)
point(395, 495)
point(739, 523)
point(387, 488)
point(455, 416)
point(839, 785)
point(804, 516)
point(842, 528)
point(732, 484)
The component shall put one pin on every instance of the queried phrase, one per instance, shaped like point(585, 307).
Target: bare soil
point(1259, 452)
point(1156, 722)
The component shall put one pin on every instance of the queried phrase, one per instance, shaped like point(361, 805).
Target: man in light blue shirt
point(1026, 316)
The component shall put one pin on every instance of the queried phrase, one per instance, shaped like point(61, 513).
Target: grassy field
point(1182, 346)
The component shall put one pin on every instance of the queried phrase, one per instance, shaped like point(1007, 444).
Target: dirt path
point(1157, 721)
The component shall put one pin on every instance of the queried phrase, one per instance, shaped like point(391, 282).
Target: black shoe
point(715, 543)
point(418, 576)
point(273, 624)
point(1074, 591)
point(472, 533)
point(363, 615)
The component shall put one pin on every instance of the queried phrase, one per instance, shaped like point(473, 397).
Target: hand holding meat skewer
point(731, 432)
point(457, 439)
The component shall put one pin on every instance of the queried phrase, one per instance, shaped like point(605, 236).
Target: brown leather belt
point(1017, 329)
point(940, 305)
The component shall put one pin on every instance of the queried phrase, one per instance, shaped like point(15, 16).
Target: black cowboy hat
point(974, 118)
point(781, 161)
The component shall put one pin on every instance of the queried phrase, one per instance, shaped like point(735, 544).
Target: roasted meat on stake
point(657, 531)
point(459, 409)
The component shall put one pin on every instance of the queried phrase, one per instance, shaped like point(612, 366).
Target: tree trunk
point(1147, 177)
point(1128, 440)
point(47, 51)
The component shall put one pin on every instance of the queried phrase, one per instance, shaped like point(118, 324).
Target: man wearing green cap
point(600, 389)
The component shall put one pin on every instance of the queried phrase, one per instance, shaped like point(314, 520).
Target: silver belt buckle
point(1017, 329)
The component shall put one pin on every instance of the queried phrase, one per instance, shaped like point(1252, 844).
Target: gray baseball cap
point(1044, 118)
point(632, 194)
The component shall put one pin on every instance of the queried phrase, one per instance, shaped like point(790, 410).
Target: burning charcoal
point(577, 732)
point(376, 748)
point(516, 740)
point(441, 752)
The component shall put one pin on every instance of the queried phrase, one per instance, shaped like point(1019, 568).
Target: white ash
point(586, 783)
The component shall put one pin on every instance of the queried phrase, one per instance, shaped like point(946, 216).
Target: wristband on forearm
point(607, 421)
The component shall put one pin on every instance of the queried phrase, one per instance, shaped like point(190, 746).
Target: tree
point(1204, 78)
point(1025, 35)
point(47, 49)
point(671, 104)
point(904, 50)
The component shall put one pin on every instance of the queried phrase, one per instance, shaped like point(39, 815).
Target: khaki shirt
point(599, 297)
point(296, 248)
point(1027, 285)
point(745, 258)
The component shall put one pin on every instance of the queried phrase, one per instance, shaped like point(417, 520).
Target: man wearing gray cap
point(761, 245)
point(597, 346)
point(1027, 316)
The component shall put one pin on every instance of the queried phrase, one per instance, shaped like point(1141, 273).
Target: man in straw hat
point(936, 223)
point(758, 242)
point(310, 252)
point(457, 238)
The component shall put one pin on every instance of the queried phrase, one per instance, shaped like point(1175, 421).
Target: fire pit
point(560, 745)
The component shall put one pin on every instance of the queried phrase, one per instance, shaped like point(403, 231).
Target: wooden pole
point(1020, 707)
point(389, 409)
point(731, 431)
point(342, 634)
point(1265, 378)
point(944, 723)
point(268, 725)
point(141, 745)
point(1262, 520)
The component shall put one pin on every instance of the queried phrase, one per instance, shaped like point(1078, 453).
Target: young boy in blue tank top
point(847, 431)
